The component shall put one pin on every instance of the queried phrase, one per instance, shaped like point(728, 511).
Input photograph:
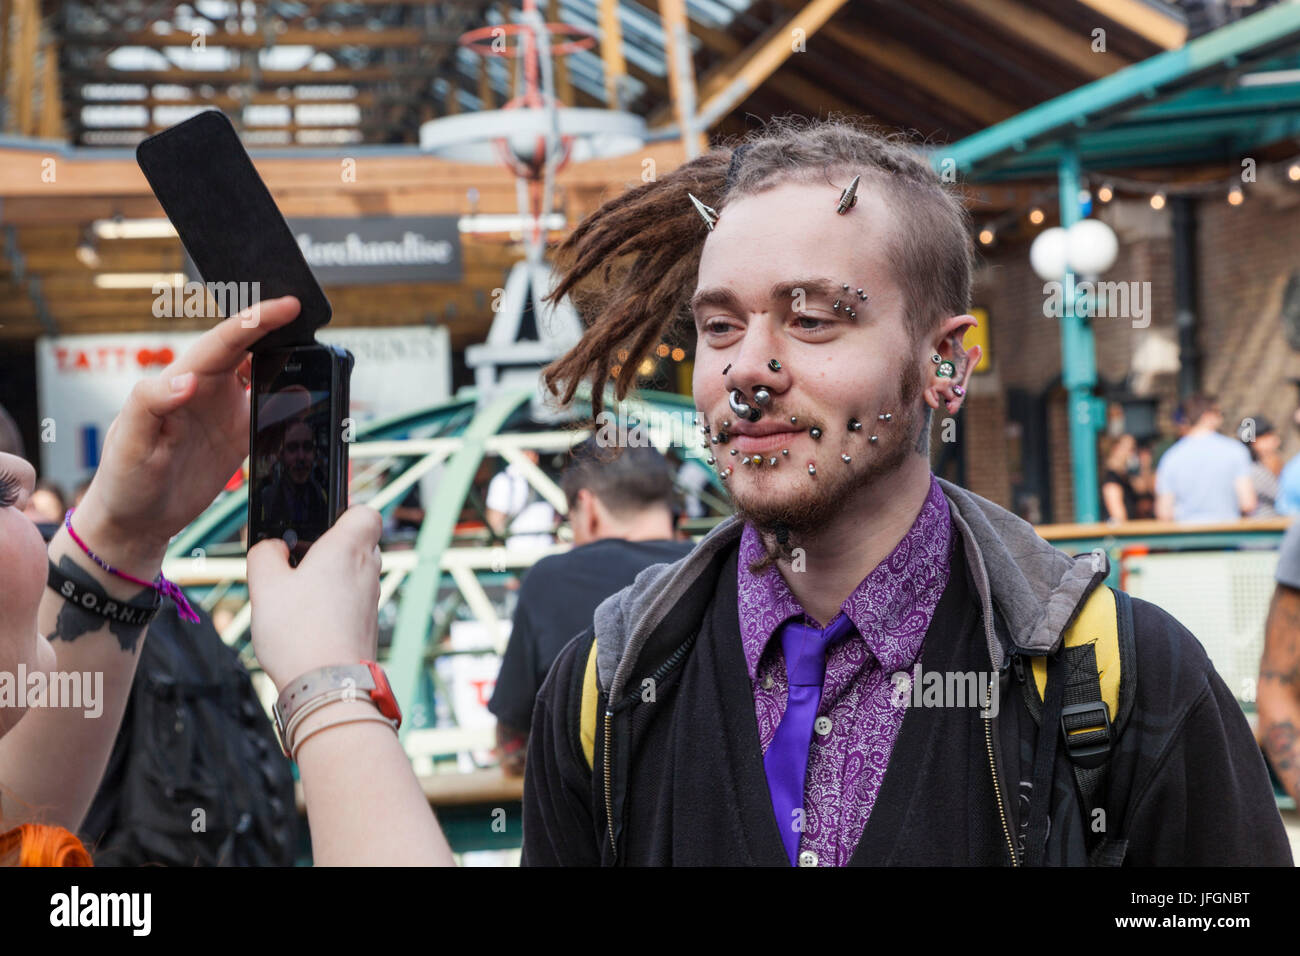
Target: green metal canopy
point(1225, 93)
point(1214, 100)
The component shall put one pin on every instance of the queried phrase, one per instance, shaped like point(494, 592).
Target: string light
point(662, 350)
point(1235, 196)
point(679, 354)
point(1158, 201)
point(1106, 193)
point(1294, 172)
point(986, 236)
point(1036, 216)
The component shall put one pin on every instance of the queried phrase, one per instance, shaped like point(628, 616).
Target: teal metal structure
point(1211, 101)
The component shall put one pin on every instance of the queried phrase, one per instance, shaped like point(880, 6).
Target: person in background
point(1119, 461)
point(621, 509)
point(1204, 476)
point(515, 509)
point(1288, 502)
point(47, 503)
point(1265, 446)
point(1278, 694)
point(1144, 484)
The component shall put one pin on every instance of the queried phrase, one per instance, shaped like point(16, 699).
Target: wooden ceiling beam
point(1046, 36)
point(1148, 22)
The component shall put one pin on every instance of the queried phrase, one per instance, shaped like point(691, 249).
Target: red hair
point(36, 844)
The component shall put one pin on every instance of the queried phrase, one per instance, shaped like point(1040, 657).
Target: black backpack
point(196, 777)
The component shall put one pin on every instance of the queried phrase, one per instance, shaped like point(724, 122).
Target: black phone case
point(227, 220)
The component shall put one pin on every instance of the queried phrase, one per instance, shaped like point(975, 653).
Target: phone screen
point(291, 467)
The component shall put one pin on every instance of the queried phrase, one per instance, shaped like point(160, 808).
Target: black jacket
point(678, 769)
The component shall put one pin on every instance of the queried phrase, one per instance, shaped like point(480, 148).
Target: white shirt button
point(807, 858)
point(823, 726)
point(768, 682)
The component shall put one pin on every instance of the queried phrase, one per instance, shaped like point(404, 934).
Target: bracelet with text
point(159, 584)
point(98, 603)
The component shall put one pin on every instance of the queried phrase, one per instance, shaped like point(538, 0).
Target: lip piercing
point(846, 458)
point(725, 473)
point(771, 461)
point(886, 417)
point(812, 470)
point(785, 451)
point(793, 419)
point(774, 365)
point(758, 459)
point(854, 425)
point(712, 460)
point(873, 439)
point(815, 432)
point(733, 451)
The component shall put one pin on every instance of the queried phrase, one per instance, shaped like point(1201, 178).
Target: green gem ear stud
point(946, 370)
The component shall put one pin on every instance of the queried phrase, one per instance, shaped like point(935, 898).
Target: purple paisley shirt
point(891, 609)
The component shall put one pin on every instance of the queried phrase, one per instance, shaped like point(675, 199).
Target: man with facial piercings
point(752, 703)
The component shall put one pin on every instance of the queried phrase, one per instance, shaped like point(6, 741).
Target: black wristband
point(96, 602)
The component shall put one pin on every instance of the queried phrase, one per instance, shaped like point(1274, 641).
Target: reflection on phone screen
point(291, 462)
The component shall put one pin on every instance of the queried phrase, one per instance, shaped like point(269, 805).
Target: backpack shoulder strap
point(1100, 658)
point(590, 704)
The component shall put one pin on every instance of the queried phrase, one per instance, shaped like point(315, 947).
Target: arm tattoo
point(74, 622)
point(1282, 744)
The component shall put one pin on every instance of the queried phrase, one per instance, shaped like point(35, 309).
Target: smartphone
point(230, 225)
point(298, 447)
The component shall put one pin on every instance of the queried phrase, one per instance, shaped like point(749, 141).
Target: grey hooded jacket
point(1185, 737)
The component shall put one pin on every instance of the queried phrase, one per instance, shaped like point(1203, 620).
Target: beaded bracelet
point(159, 584)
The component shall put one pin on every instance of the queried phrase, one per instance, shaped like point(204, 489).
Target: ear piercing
point(958, 391)
point(946, 370)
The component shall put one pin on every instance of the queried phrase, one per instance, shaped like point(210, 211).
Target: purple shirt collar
point(879, 606)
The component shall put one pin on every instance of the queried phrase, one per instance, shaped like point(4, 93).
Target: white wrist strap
point(359, 718)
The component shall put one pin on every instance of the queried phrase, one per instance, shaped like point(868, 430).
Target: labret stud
point(812, 469)
point(854, 425)
point(815, 432)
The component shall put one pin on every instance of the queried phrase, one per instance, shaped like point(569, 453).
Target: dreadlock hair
point(631, 266)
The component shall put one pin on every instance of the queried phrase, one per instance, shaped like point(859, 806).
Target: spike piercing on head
point(848, 198)
point(707, 213)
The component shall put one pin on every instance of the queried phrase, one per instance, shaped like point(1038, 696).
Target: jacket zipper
point(609, 799)
point(993, 766)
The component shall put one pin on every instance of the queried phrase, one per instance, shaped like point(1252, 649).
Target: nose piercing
point(743, 408)
point(774, 365)
point(762, 396)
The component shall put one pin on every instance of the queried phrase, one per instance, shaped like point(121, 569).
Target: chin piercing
point(771, 461)
point(854, 425)
point(846, 458)
point(733, 451)
point(758, 459)
point(848, 198)
point(712, 460)
point(774, 365)
point(785, 451)
point(816, 433)
point(885, 417)
point(762, 397)
point(724, 474)
point(873, 439)
point(812, 469)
